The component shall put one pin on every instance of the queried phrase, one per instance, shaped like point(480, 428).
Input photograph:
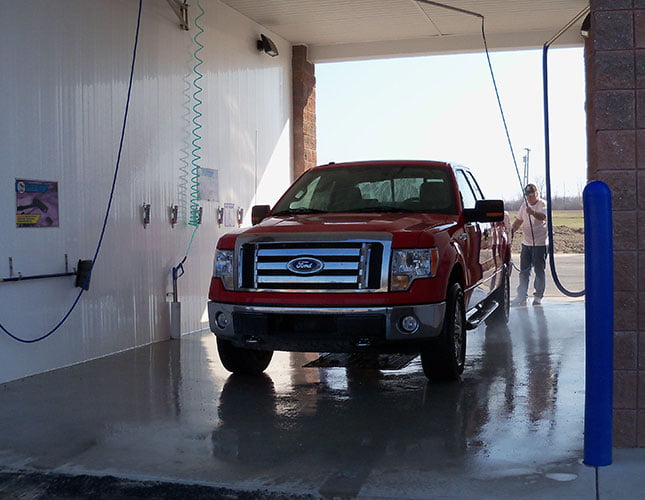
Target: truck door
point(492, 258)
point(481, 264)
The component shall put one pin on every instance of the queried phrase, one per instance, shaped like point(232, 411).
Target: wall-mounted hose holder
point(82, 273)
point(145, 212)
point(180, 8)
point(174, 215)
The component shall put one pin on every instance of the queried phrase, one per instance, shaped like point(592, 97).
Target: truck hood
point(406, 229)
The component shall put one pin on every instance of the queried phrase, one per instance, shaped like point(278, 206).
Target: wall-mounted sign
point(229, 215)
point(36, 203)
point(208, 184)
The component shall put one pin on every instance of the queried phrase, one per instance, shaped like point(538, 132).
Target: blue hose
point(110, 198)
point(547, 170)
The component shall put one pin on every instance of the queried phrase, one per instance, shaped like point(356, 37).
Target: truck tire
point(445, 360)
point(503, 298)
point(242, 361)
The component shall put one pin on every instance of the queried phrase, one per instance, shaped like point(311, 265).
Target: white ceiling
point(362, 29)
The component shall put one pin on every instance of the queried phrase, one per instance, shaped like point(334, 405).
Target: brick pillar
point(304, 111)
point(615, 70)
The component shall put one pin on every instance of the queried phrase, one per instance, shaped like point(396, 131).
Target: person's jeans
point(532, 257)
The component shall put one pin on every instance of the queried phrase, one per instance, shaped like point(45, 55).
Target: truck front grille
point(316, 265)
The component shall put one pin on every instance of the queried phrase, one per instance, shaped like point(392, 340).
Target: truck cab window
point(467, 196)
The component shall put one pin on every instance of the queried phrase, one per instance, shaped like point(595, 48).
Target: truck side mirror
point(485, 211)
point(259, 213)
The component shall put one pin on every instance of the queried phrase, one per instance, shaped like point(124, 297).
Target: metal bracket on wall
point(86, 264)
point(174, 215)
point(181, 10)
point(145, 212)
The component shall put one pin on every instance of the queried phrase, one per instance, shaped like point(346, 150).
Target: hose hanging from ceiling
point(110, 198)
point(194, 218)
point(195, 210)
point(556, 280)
point(547, 150)
point(492, 74)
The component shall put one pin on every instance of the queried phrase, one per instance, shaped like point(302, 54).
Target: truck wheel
point(503, 297)
point(446, 358)
point(242, 361)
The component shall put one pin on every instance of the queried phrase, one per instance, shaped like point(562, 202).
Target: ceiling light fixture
point(266, 45)
point(586, 26)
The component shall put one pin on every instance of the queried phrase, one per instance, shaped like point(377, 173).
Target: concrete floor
point(168, 421)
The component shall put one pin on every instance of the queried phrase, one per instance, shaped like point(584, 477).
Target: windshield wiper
point(298, 211)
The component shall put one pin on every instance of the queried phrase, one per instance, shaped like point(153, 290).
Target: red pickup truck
point(374, 257)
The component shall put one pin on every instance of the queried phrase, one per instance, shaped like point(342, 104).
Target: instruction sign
point(209, 184)
point(229, 215)
point(36, 203)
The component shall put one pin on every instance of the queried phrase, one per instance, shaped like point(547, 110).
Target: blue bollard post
point(599, 324)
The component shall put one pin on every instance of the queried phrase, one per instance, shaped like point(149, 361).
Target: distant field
point(570, 218)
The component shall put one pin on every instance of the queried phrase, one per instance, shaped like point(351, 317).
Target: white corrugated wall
point(64, 70)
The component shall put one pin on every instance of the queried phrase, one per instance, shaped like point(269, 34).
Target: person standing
point(532, 218)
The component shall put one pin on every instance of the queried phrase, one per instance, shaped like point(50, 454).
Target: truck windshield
point(371, 188)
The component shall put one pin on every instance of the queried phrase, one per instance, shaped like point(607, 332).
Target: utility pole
point(525, 158)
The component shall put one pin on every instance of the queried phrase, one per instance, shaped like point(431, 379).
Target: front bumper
point(321, 329)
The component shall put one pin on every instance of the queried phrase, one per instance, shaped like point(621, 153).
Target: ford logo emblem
point(305, 265)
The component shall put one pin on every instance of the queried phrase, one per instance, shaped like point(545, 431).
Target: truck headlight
point(412, 263)
point(224, 267)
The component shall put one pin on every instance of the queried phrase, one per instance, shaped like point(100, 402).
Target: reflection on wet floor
point(517, 411)
point(171, 411)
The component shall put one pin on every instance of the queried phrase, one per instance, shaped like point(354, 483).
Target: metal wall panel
point(64, 75)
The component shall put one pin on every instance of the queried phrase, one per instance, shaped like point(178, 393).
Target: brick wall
point(304, 111)
point(615, 67)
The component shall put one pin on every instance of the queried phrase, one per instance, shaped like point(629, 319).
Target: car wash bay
point(168, 419)
point(160, 411)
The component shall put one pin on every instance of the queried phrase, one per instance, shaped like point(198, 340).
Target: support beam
point(304, 111)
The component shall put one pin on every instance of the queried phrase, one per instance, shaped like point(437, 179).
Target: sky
point(444, 108)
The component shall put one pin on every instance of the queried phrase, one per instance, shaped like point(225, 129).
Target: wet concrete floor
point(167, 421)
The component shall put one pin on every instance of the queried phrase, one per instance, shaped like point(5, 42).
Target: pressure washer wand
point(175, 305)
point(175, 276)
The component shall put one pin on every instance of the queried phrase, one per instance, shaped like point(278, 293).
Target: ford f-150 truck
point(374, 257)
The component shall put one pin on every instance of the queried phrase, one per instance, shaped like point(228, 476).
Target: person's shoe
point(537, 301)
point(519, 302)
